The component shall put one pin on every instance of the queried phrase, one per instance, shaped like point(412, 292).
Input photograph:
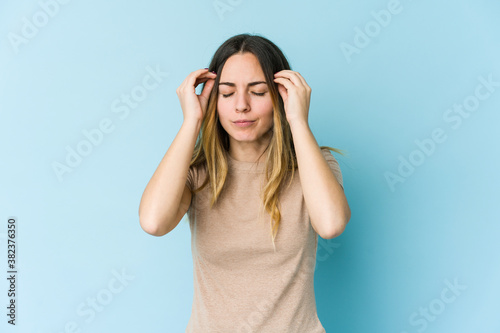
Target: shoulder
point(327, 154)
point(196, 175)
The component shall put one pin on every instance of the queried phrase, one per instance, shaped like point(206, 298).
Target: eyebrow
point(251, 84)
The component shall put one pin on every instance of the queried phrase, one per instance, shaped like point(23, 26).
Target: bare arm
point(324, 197)
point(166, 197)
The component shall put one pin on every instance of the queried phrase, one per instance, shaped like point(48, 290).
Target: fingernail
point(214, 72)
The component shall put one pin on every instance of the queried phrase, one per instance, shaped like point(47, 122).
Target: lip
point(243, 123)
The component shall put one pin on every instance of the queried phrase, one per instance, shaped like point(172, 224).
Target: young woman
point(257, 188)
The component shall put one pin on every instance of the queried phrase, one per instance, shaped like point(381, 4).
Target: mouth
point(243, 123)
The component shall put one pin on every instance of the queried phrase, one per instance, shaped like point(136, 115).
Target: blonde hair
point(213, 141)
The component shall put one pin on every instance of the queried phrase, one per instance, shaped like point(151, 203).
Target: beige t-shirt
point(240, 283)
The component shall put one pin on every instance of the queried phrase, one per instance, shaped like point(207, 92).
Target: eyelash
point(257, 94)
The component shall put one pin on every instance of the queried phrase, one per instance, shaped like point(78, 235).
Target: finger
point(202, 73)
point(291, 76)
point(204, 78)
point(285, 82)
point(295, 77)
point(191, 80)
point(302, 79)
point(207, 89)
point(283, 92)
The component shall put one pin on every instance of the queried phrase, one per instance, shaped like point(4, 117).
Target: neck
point(248, 151)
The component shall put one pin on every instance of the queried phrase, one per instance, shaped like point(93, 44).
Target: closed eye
point(256, 94)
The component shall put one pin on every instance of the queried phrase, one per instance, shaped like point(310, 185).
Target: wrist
point(192, 123)
point(298, 124)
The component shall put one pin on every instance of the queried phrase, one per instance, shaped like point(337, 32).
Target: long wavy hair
point(213, 141)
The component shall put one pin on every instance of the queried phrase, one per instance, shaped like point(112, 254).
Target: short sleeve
point(190, 179)
point(334, 165)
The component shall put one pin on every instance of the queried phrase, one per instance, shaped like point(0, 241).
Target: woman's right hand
point(194, 106)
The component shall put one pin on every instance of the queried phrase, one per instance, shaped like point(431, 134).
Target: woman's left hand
point(296, 95)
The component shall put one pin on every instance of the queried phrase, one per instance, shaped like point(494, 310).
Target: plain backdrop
point(410, 90)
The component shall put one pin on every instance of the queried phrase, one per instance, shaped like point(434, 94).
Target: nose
point(242, 103)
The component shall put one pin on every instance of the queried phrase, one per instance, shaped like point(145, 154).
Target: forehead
point(242, 69)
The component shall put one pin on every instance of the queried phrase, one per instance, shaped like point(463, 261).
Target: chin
point(244, 138)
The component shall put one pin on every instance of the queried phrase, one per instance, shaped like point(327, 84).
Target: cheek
point(266, 110)
point(262, 106)
point(264, 103)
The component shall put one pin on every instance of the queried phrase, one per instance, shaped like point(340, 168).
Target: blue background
point(403, 244)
